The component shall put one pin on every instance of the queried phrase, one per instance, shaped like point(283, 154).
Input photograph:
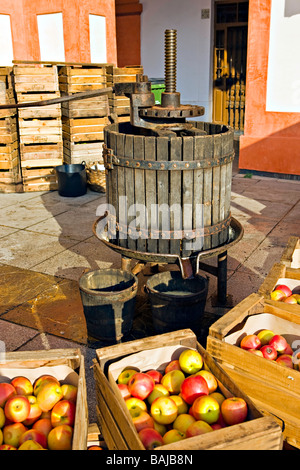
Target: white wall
point(194, 45)
point(283, 86)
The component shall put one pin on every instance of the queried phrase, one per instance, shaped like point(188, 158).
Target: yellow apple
point(48, 395)
point(164, 410)
point(182, 406)
point(133, 404)
point(173, 435)
point(31, 445)
point(2, 417)
point(265, 336)
point(183, 421)
point(218, 396)
point(158, 391)
point(197, 428)
point(190, 361)
point(172, 381)
point(206, 409)
point(60, 437)
point(161, 428)
point(125, 375)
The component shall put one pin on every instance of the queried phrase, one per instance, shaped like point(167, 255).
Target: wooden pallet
point(44, 155)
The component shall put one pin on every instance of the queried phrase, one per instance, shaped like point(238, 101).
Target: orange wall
point(271, 141)
point(75, 23)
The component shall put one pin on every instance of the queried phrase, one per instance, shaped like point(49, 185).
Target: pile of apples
point(271, 346)
point(37, 415)
point(181, 402)
point(283, 293)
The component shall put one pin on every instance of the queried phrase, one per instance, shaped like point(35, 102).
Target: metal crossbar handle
point(77, 96)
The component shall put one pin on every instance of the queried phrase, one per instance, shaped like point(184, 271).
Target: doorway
point(230, 59)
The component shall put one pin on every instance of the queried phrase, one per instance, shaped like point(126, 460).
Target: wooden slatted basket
point(118, 430)
point(96, 177)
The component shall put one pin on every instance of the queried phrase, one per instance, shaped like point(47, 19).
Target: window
point(98, 38)
point(51, 37)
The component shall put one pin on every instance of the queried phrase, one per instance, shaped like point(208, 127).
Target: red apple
point(124, 391)
point(69, 392)
point(155, 374)
point(277, 295)
point(264, 336)
point(285, 289)
point(182, 406)
point(60, 437)
point(22, 385)
point(173, 365)
point(12, 434)
point(48, 395)
point(125, 375)
point(63, 412)
point(190, 361)
point(7, 447)
point(279, 343)
point(285, 360)
point(216, 426)
point(193, 387)
point(173, 435)
point(35, 411)
point(269, 352)
point(17, 408)
point(43, 425)
point(197, 428)
point(94, 447)
point(172, 381)
point(142, 419)
point(158, 391)
point(34, 435)
point(183, 421)
point(164, 410)
point(140, 385)
point(250, 342)
point(133, 404)
point(150, 438)
point(234, 410)
point(31, 445)
point(6, 391)
point(41, 380)
point(206, 409)
point(210, 380)
point(288, 350)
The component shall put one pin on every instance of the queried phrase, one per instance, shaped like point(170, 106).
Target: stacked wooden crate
point(83, 120)
point(40, 128)
point(120, 105)
point(10, 175)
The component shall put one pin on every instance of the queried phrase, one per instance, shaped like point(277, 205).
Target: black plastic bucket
point(108, 297)
point(71, 179)
point(176, 303)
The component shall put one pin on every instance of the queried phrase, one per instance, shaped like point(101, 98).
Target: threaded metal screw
point(170, 60)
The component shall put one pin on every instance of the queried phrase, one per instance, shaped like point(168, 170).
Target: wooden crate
point(77, 152)
point(35, 78)
point(39, 179)
point(47, 360)
point(84, 129)
point(116, 424)
point(39, 112)
point(41, 155)
point(90, 107)
point(291, 255)
point(274, 389)
point(120, 105)
point(78, 78)
point(281, 274)
point(9, 156)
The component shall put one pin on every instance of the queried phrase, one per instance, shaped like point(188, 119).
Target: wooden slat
point(150, 189)
point(162, 153)
point(139, 188)
point(130, 186)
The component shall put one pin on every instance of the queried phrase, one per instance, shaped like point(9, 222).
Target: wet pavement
point(47, 242)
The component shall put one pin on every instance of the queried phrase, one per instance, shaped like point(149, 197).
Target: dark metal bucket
point(71, 179)
point(108, 297)
point(176, 303)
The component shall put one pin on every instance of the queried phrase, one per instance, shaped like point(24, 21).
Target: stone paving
point(46, 243)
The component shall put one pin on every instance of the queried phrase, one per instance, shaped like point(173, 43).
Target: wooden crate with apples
point(291, 254)
point(67, 366)
point(115, 420)
point(273, 387)
point(282, 287)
